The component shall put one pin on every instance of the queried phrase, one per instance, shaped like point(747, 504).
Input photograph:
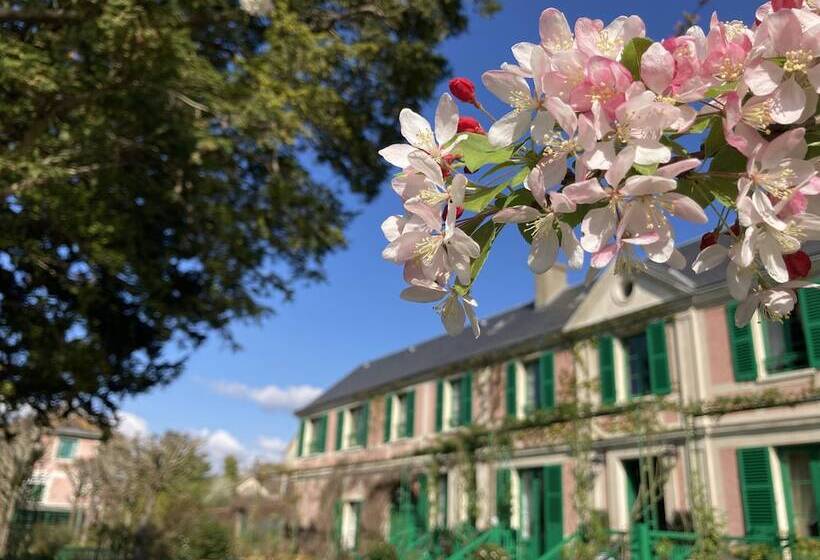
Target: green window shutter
point(439, 405)
point(411, 414)
point(809, 299)
point(553, 507)
point(423, 504)
point(67, 447)
point(606, 367)
point(388, 416)
point(337, 523)
point(658, 358)
point(466, 400)
point(510, 390)
point(340, 428)
point(322, 441)
point(546, 367)
point(300, 450)
point(357, 512)
point(365, 426)
point(503, 496)
point(743, 348)
point(756, 489)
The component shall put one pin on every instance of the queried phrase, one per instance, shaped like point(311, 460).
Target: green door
point(652, 508)
point(531, 512)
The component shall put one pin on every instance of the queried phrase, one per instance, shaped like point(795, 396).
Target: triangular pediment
point(612, 296)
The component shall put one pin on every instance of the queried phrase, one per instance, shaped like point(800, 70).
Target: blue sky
point(356, 315)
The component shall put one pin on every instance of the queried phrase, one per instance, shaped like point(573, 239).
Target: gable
point(613, 296)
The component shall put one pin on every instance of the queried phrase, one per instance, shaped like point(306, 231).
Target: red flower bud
point(469, 124)
point(459, 212)
point(708, 240)
point(463, 89)
point(735, 229)
point(798, 264)
point(778, 5)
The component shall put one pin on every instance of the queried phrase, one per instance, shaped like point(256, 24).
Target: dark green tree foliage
point(154, 178)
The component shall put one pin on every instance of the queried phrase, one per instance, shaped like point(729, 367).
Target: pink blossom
point(605, 83)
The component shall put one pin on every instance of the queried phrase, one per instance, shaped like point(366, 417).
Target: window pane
point(637, 364)
point(531, 391)
point(526, 489)
point(805, 509)
point(785, 345)
point(355, 426)
point(66, 448)
point(455, 402)
point(401, 429)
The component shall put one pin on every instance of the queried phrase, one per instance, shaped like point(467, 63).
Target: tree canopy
point(155, 161)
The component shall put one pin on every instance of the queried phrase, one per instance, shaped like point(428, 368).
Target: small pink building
point(751, 434)
point(50, 494)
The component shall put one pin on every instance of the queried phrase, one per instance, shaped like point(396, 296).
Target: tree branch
point(38, 16)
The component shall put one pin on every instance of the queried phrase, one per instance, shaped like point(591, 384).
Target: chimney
point(550, 284)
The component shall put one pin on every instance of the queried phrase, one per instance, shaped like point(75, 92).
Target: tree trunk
point(18, 454)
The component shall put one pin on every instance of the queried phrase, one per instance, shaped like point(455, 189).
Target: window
point(455, 402)
point(356, 430)
point(532, 386)
point(66, 448)
point(637, 364)
point(318, 432)
point(33, 493)
point(401, 409)
point(804, 507)
point(350, 525)
point(785, 345)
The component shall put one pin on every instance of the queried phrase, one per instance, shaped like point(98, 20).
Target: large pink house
point(742, 425)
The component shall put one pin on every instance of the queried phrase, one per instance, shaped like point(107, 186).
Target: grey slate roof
point(503, 331)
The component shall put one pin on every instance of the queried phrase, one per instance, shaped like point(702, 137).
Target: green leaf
point(485, 237)
point(704, 189)
point(715, 141)
point(521, 197)
point(633, 51)
point(574, 218)
point(645, 169)
point(478, 201)
point(520, 177)
point(477, 152)
point(728, 160)
point(695, 188)
point(701, 124)
point(717, 91)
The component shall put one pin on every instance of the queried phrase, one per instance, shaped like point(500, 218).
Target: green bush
point(806, 549)
point(46, 540)
point(490, 552)
point(205, 540)
point(382, 551)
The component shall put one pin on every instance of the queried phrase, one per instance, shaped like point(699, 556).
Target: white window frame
point(348, 431)
point(447, 404)
point(396, 416)
point(759, 345)
point(350, 525)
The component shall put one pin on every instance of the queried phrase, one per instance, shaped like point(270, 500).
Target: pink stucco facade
point(54, 472)
point(697, 449)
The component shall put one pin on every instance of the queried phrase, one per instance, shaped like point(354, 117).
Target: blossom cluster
point(593, 157)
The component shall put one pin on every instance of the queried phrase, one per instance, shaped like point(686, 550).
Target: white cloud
point(218, 444)
point(270, 397)
point(132, 426)
point(273, 448)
